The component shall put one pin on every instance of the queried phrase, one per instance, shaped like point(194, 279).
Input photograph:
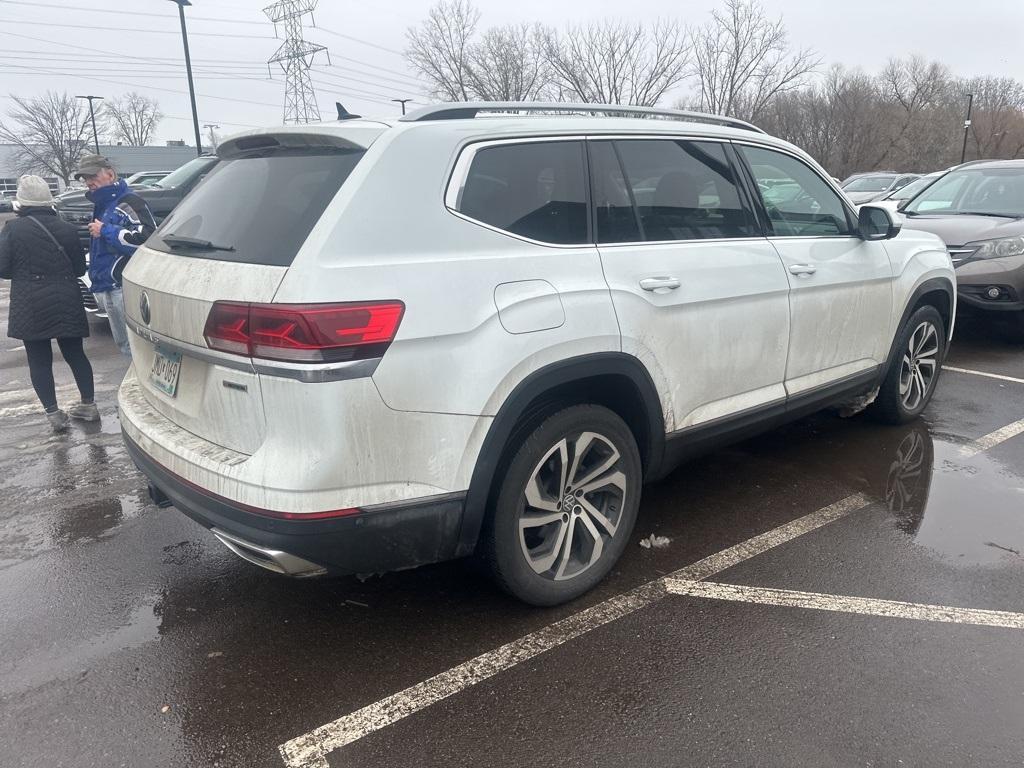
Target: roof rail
point(464, 110)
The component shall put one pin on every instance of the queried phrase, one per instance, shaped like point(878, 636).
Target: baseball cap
point(90, 165)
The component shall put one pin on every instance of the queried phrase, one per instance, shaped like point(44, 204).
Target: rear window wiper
point(180, 241)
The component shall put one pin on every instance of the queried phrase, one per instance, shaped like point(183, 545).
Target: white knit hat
point(33, 192)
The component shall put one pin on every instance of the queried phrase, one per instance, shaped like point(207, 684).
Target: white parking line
point(842, 604)
point(310, 749)
point(992, 439)
point(983, 373)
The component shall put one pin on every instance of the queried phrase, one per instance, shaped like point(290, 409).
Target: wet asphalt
point(130, 637)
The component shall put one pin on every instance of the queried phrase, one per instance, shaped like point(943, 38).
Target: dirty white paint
point(992, 439)
point(844, 604)
point(986, 374)
point(310, 749)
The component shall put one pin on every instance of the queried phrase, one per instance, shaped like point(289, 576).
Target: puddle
point(968, 512)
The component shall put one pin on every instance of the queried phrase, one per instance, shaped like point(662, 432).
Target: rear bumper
point(374, 539)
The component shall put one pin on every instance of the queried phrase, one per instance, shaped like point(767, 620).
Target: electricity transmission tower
point(296, 57)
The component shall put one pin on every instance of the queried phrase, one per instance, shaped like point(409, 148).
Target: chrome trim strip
point(318, 374)
point(306, 373)
point(200, 353)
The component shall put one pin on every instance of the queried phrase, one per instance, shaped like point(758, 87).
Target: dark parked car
point(161, 197)
point(978, 210)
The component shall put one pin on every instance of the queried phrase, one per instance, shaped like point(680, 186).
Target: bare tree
point(439, 48)
point(509, 64)
point(49, 132)
point(134, 118)
point(743, 60)
point(614, 62)
point(997, 120)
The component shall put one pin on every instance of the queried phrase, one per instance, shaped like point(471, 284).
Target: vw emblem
point(144, 307)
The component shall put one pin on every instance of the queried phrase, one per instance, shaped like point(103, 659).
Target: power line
point(134, 30)
point(364, 42)
point(153, 87)
point(195, 18)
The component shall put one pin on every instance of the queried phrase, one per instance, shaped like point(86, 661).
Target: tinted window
point(683, 190)
point(262, 205)
point(869, 184)
point(535, 190)
point(798, 201)
point(613, 203)
point(996, 191)
point(186, 173)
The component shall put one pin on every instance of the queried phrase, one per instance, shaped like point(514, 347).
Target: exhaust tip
point(271, 559)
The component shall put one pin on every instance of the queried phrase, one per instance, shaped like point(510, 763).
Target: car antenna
point(344, 114)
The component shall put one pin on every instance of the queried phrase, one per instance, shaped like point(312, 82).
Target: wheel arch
point(613, 379)
point(938, 292)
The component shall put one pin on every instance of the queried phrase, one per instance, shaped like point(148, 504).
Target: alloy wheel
point(919, 365)
point(572, 506)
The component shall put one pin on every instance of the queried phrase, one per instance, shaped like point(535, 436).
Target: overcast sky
point(51, 44)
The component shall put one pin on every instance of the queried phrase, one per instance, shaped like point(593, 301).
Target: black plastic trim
point(933, 284)
point(535, 386)
point(386, 537)
point(689, 442)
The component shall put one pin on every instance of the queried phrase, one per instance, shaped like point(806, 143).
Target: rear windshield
point(869, 184)
point(258, 208)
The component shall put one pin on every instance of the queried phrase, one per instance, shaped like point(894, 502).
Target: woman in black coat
point(41, 255)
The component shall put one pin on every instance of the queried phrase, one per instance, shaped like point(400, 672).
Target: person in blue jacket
point(121, 223)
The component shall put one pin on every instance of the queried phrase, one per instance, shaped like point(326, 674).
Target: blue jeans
point(112, 302)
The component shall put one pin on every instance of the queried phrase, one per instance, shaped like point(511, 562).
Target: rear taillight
point(304, 333)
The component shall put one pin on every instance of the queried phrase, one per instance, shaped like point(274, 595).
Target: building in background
point(127, 160)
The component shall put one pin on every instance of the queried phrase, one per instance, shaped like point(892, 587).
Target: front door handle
point(803, 269)
point(659, 283)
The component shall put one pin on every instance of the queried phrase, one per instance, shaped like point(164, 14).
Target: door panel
point(709, 313)
point(840, 313)
point(840, 285)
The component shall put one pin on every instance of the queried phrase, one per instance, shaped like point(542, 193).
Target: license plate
point(165, 371)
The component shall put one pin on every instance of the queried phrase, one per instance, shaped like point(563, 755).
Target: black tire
point(508, 552)
point(891, 406)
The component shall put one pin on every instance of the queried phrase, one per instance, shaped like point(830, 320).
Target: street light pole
point(188, 68)
point(92, 116)
point(403, 103)
point(967, 126)
point(213, 136)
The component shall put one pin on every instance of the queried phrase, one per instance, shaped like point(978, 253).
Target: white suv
point(370, 345)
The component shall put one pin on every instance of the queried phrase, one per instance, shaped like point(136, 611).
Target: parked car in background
point(161, 197)
point(898, 197)
point(146, 178)
point(978, 210)
point(6, 203)
point(874, 186)
point(304, 385)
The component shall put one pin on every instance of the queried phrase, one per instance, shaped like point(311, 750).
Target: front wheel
point(914, 371)
point(566, 506)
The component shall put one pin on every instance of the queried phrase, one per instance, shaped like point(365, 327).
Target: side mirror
point(877, 223)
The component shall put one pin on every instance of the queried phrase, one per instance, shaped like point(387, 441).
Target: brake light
point(304, 333)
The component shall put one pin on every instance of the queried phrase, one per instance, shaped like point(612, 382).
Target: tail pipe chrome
point(271, 559)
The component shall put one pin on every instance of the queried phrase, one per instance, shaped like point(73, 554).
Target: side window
point(683, 190)
point(798, 201)
point(535, 190)
point(616, 217)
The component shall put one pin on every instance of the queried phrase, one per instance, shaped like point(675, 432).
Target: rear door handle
point(803, 269)
point(659, 283)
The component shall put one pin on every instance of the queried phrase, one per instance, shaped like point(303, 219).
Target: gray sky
point(979, 37)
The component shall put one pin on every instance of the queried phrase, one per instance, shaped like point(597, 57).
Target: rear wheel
point(913, 374)
point(566, 506)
